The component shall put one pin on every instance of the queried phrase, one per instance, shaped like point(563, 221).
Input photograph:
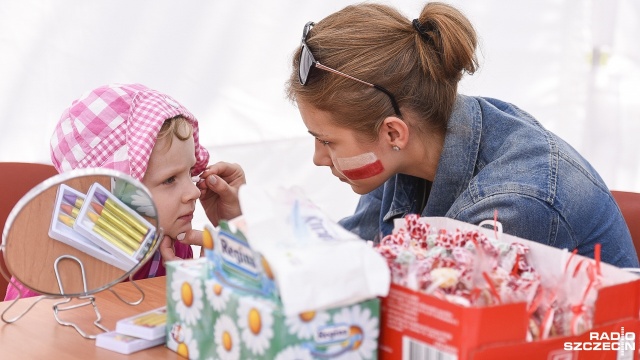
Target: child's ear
point(394, 131)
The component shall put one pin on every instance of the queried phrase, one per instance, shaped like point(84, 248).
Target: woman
point(379, 93)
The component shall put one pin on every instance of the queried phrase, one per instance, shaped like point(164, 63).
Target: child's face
point(168, 177)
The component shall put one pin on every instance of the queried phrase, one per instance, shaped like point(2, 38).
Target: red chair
point(629, 204)
point(16, 180)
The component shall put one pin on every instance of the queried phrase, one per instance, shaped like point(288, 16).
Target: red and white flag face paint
point(360, 167)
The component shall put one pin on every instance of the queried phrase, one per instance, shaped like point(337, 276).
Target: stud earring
point(395, 148)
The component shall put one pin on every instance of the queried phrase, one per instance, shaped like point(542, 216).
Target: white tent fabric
point(575, 65)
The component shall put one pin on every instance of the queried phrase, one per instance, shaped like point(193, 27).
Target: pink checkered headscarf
point(116, 126)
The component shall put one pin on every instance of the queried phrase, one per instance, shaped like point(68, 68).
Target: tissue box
point(209, 317)
point(415, 325)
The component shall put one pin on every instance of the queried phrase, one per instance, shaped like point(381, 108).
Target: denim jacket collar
point(459, 156)
point(404, 193)
point(455, 168)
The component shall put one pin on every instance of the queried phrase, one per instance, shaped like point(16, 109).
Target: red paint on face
point(365, 171)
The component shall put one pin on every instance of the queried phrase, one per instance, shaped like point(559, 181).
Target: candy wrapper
point(464, 267)
point(473, 268)
point(500, 289)
point(317, 264)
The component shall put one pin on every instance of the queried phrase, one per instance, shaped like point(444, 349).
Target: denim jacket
point(498, 157)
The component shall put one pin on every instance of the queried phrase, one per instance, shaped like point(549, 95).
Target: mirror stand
point(132, 303)
point(10, 281)
point(13, 302)
point(57, 307)
point(90, 299)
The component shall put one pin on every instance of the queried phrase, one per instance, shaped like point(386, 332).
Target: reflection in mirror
point(104, 218)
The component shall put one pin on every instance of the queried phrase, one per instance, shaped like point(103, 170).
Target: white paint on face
point(360, 167)
point(356, 161)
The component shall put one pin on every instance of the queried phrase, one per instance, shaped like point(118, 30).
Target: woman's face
point(168, 178)
point(360, 164)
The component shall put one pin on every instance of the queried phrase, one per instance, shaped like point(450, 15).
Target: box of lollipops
point(282, 282)
point(461, 291)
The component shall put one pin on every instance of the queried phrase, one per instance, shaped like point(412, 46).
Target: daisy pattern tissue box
point(226, 306)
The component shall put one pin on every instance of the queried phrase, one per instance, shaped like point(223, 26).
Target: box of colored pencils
point(149, 325)
point(114, 226)
point(66, 210)
point(125, 344)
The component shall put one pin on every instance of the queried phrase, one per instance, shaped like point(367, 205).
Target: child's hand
point(166, 249)
point(167, 246)
point(219, 191)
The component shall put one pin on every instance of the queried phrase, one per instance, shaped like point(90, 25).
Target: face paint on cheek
point(360, 167)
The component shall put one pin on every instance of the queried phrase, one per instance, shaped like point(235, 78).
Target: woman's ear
point(395, 132)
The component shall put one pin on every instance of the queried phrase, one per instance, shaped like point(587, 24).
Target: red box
point(415, 325)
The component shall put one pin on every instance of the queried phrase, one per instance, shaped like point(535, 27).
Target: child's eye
point(323, 142)
point(170, 180)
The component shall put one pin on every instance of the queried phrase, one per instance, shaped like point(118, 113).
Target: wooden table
point(39, 336)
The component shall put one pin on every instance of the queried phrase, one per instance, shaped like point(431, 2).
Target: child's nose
point(191, 192)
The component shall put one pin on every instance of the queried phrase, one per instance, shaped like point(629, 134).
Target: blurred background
point(573, 64)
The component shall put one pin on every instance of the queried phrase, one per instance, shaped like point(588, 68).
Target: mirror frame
point(106, 276)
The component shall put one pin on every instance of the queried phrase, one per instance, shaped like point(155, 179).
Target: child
point(147, 135)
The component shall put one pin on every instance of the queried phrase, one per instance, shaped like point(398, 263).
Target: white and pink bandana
point(116, 126)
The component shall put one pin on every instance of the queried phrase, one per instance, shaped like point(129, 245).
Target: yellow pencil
point(66, 219)
point(113, 219)
point(155, 322)
point(141, 319)
point(151, 319)
point(113, 240)
point(132, 243)
point(124, 215)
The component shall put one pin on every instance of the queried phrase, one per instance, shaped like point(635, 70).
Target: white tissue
point(317, 264)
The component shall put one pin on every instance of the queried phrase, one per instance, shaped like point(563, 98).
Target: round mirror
point(80, 232)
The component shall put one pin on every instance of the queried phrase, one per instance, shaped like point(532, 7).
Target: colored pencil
point(113, 230)
point(70, 210)
point(112, 218)
point(120, 212)
point(66, 219)
point(73, 200)
point(113, 240)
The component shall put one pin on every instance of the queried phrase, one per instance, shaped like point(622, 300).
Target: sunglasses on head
point(307, 61)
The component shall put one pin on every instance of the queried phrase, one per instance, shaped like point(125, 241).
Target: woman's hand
point(219, 191)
